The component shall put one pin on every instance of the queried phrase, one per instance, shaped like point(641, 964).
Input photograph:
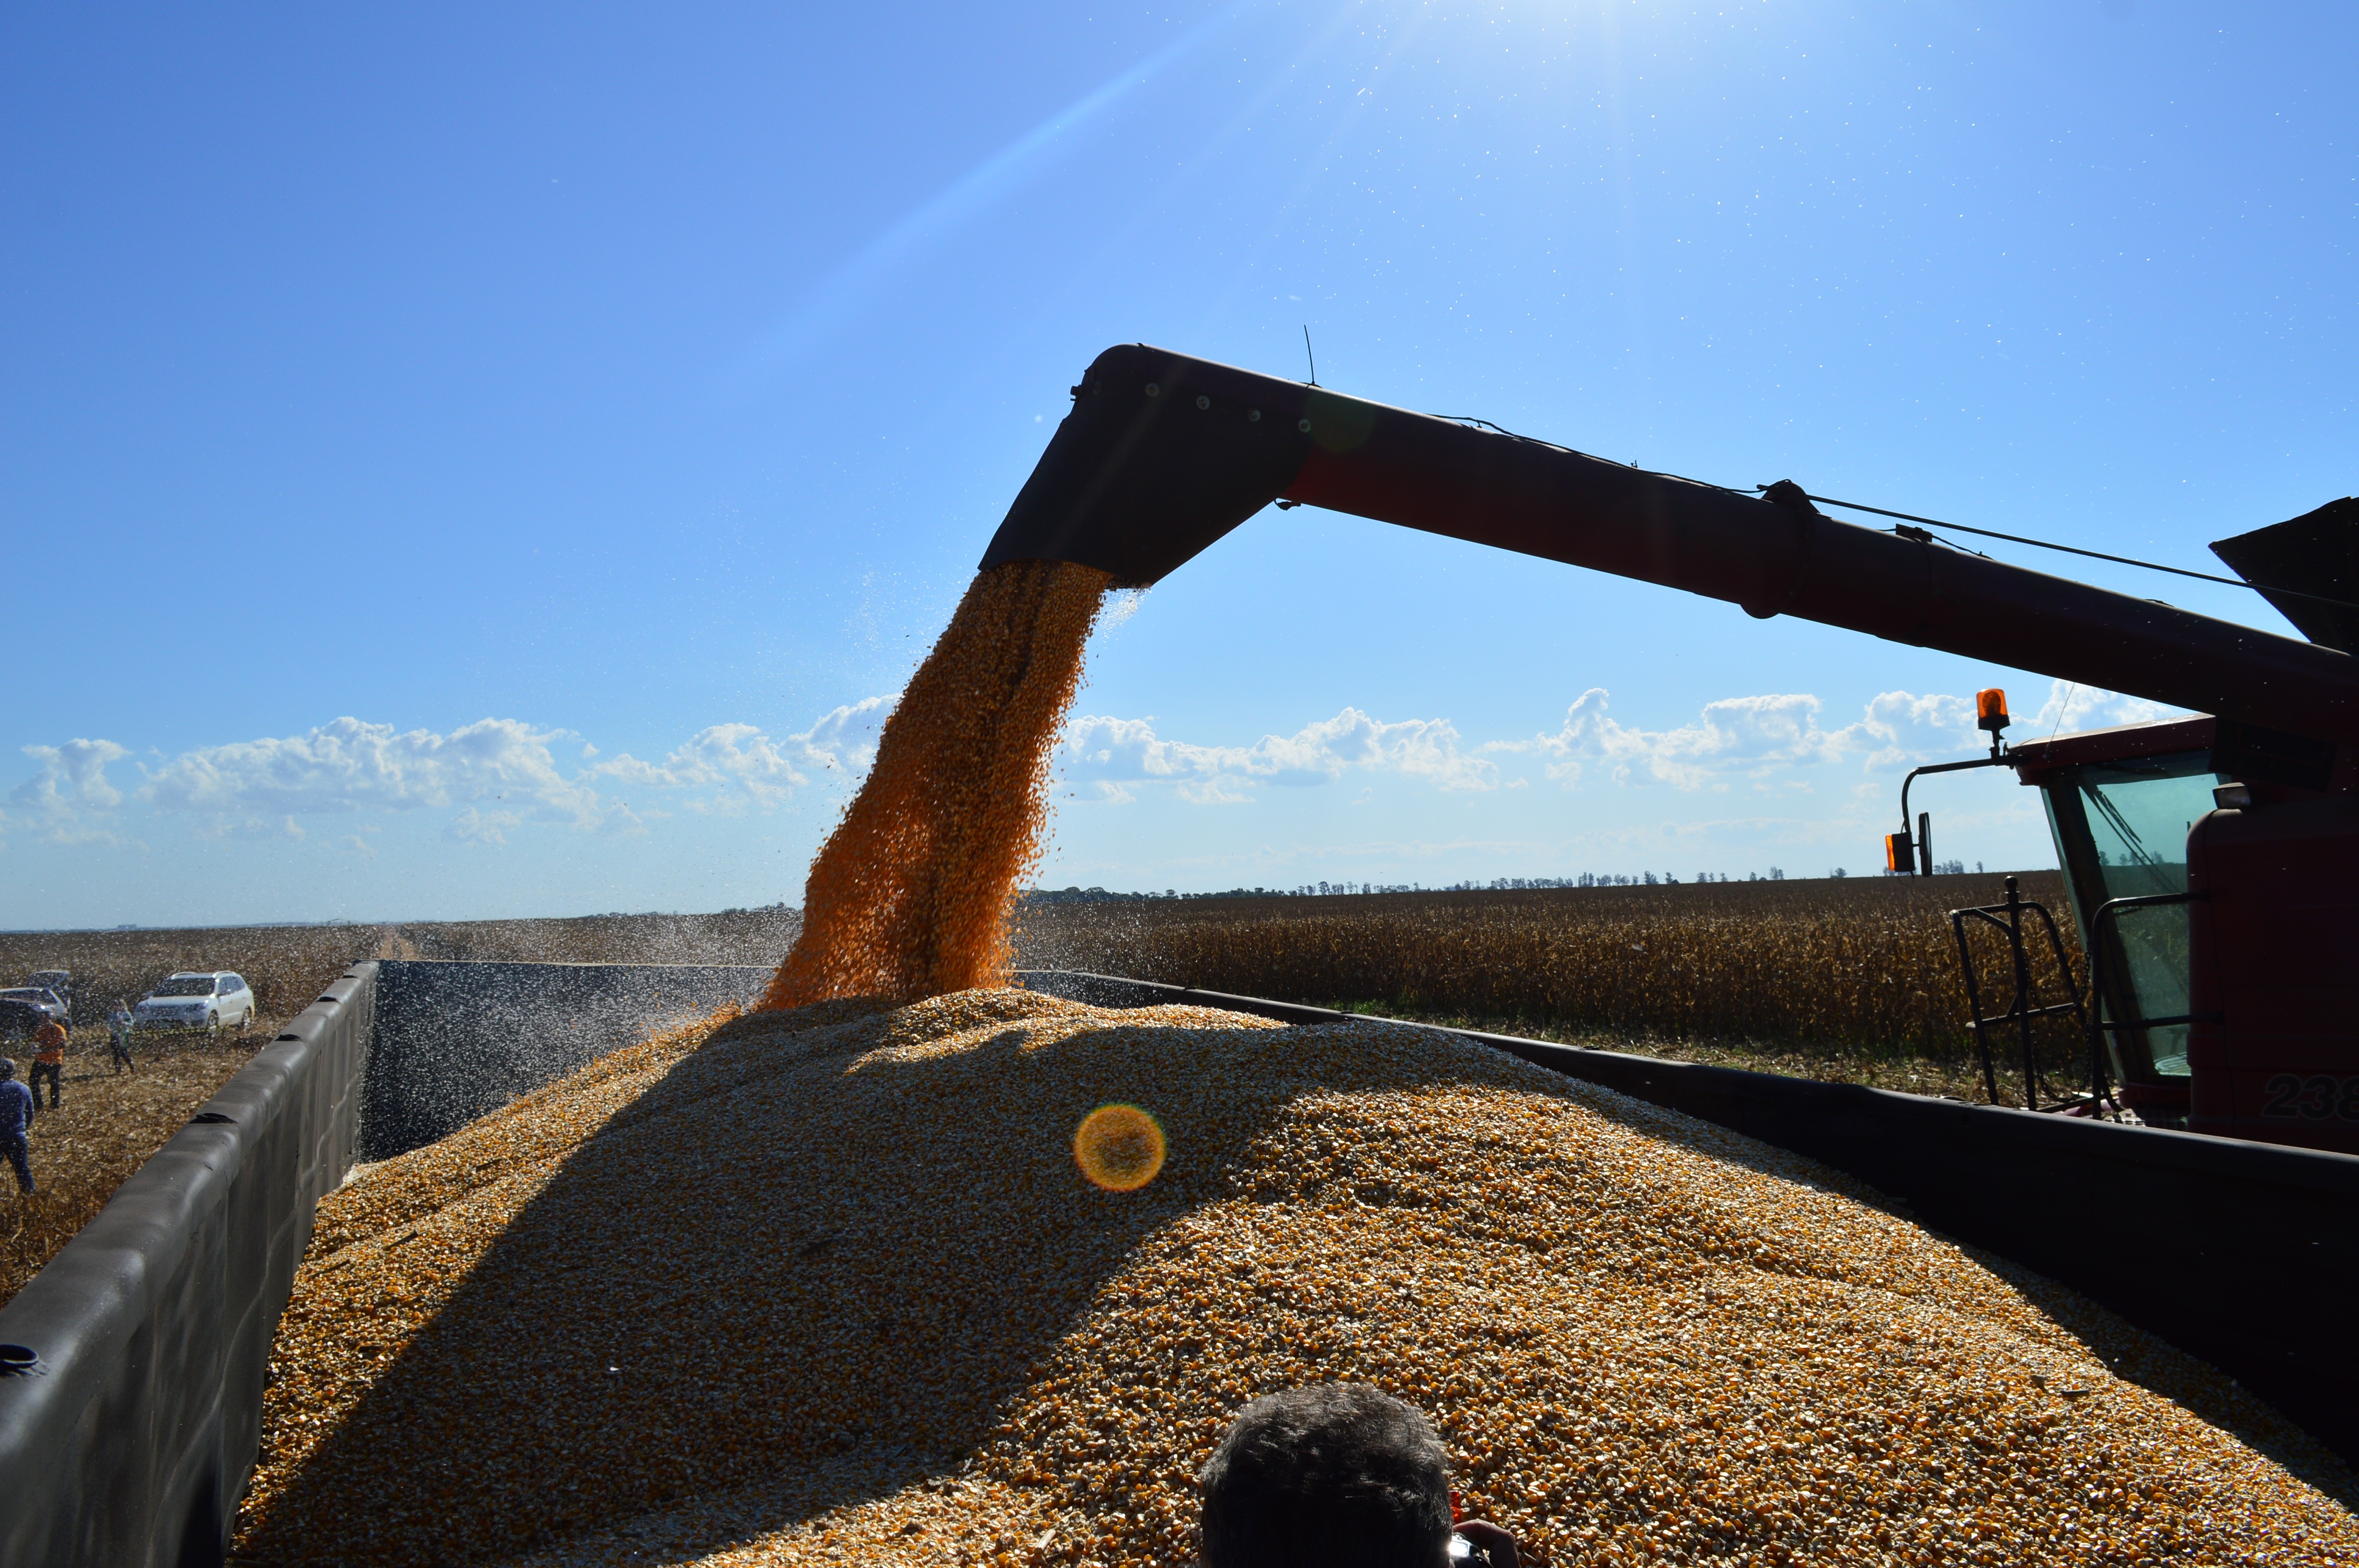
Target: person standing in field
point(15, 1120)
point(49, 1060)
point(118, 1031)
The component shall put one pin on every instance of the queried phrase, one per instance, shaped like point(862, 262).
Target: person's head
point(1334, 1473)
point(8, 1069)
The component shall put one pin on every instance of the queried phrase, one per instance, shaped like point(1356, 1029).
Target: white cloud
point(493, 779)
point(1750, 737)
point(502, 775)
point(470, 827)
point(503, 772)
point(69, 800)
point(749, 768)
point(2069, 707)
point(1215, 790)
point(351, 765)
point(252, 827)
point(1111, 754)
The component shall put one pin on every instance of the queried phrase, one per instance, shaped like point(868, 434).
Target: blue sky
point(501, 461)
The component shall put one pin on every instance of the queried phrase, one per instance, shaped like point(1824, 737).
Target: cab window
point(2124, 827)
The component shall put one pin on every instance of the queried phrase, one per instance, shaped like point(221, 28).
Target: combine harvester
point(2202, 1184)
point(2212, 862)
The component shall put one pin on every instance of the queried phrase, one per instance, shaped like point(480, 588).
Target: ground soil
point(105, 1127)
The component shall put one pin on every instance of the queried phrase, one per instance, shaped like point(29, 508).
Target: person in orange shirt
point(49, 1059)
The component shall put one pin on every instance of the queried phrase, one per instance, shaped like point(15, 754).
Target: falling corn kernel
point(910, 896)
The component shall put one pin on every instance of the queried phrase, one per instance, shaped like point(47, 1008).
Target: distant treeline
point(1496, 885)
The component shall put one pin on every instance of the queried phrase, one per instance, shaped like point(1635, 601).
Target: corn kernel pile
point(829, 1286)
point(910, 895)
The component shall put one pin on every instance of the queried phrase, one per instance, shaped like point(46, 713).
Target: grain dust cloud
point(910, 896)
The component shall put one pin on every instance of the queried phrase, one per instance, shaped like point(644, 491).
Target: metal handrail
point(2021, 1012)
point(1999, 757)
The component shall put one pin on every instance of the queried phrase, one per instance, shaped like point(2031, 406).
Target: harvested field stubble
point(107, 1130)
point(285, 965)
point(107, 1126)
point(826, 1285)
point(1857, 961)
point(288, 965)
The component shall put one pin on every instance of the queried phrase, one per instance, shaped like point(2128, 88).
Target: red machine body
point(2212, 862)
point(2274, 1053)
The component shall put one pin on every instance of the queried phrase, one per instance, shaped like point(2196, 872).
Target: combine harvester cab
point(2214, 873)
point(2212, 867)
point(2238, 961)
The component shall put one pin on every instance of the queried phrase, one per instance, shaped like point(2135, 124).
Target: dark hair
point(7, 1069)
point(1334, 1473)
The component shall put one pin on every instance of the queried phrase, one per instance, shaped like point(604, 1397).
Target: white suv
point(197, 999)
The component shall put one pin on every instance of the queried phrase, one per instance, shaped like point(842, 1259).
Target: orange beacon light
point(1990, 709)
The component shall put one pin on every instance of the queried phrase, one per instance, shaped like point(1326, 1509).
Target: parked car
point(197, 999)
point(19, 1019)
point(60, 982)
point(47, 1000)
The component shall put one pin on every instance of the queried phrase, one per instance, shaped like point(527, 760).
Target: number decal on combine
point(2316, 1098)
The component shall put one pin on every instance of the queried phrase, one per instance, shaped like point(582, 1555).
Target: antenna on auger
point(1309, 355)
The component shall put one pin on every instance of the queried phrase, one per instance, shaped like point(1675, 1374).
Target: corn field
point(1859, 963)
point(286, 964)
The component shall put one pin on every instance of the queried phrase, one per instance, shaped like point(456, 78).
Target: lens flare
point(1119, 1148)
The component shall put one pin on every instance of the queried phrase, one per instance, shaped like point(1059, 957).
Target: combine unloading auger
point(1163, 455)
point(2213, 863)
